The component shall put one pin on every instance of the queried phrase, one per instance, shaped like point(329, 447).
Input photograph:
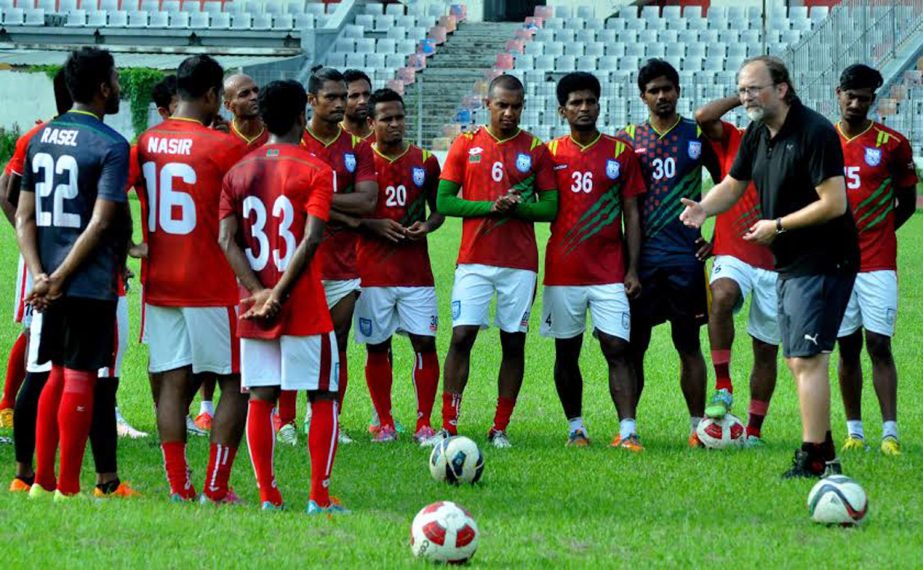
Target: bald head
point(241, 96)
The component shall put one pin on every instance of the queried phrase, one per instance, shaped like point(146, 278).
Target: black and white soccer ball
point(456, 460)
point(837, 499)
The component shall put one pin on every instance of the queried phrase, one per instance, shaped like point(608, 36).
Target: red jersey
point(252, 143)
point(18, 160)
point(369, 138)
point(272, 191)
point(404, 186)
point(182, 164)
point(731, 226)
point(487, 168)
point(876, 162)
point(352, 163)
point(586, 247)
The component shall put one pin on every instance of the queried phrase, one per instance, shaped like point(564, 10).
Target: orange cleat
point(19, 486)
point(631, 443)
point(694, 441)
point(203, 421)
point(123, 491)
point(6, 418)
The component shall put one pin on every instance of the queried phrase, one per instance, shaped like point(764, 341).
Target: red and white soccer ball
point(838, 500)
point(444, 532)
point(721, 433)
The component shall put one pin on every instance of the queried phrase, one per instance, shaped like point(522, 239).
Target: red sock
point(322, 446)
point(75, 415)
point(721, 360)
point(46, 429)
point(177, 468)
point(261, 443)
point(379, 377)
point(15, 372)
point(505, 408)
point(342, 381)
point(758, 410)
point(451, 409)
point(220, 461)
point(288, 408)
point(425, 383)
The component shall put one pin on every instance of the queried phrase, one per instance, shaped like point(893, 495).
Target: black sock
point(30, 480)
point(109, 487)
point(25, 412)
point(828, 450)
point(103, 432)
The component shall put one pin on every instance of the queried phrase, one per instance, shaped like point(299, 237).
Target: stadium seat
point(355, 60)
point(657, 24)
point(261, 22)
point(672, 12)
point(634, 49)
point(396, 33)
point(213, 7)
point(316, 8)
point(544, 36)
point(367, 21)
point(607, 63)
point(676, 50)
point(97, 19)
point(750, 37)
point(353, 31)
point(554, 48)
point(708, 36)
point(628, 36)
point(544, 63)
point(304, 21)
point(241, 21)
point(375, 60)
point(596, 49)
point(553, 24)
point(385, 46)
point(615, 49)
point(407, 47)
point(647, 36)
point(35, 17)
point(586, 12)
point(405, 21)
point(179, 20)
point(364, 45)
point(655, 50)
point(199, 20)
point(138, 19)
point(802, 25)
point(650, 12)
point(76, 19)
point(587, 63)
point(818, 13)
point(382, 23)
point(193, 7)
point(696, 23)
point(668, 36)
point(790, 37)
point(158, 19)
point(605, 36)
point(394, 60)
point(635, 24)
point(118, 19)
point(107, 5)
point(563, 11)
point(534, 48)
point(692, 62)
point(283, 22)
point(575, 49)
point(715, 50)
point(615, 24)
point(798, 13)
point(337, 60)
point(396, 9)
point(374, 8)
point(564, 36)
point(64, 6)
point(713, 64)
point(48, 6)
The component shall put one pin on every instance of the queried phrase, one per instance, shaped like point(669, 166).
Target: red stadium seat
point(504, 61)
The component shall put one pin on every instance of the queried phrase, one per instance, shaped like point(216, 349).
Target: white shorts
point(22, 312)
point(337, 290)
point(291, 362)
point(121, 340)
point(382, 311)
point(763, 322)
point(873, 304)
point(474, 287)
point(196, 336)
point(564, 310)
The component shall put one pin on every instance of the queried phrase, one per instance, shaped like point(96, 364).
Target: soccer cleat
point(890, 446)
point(385, 435)
point(803, 465)
point(269, 507)
point(230, 498)
point(6, 418)
point(423, 435)
point(753, 442)
point(437, 438)
point(193, 429)
point(125, 429)
point(39, 492)
point(123, 491)
point(288, 434)
point(577, 438)
point(694, 441)
point(374, 423)
point(177, 498)
point(499, 439)
point(6, 440)
point(631, 443)
point(19, 486)
point(60, 497)
point(854, 443)
point(720, 404)
point(344, 438)
point(334, 508)
point(204, 421)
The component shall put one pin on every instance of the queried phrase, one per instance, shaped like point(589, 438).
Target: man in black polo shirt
point(793, 156)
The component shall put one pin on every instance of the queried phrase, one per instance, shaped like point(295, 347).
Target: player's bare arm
point(228, 236)
point(313, 233)
point(832, 204)
point(9, 209)
point(719, 199)
point(632, 218)
point(418, 230)
point(385, 228)
point(26, 236)
point(708, 116)
point(360, 202)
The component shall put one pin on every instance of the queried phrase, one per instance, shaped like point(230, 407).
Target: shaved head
point(241, 96)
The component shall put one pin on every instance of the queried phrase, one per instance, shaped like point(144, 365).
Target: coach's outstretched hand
point(262, 305)
point(762, 232)
point(693, 215)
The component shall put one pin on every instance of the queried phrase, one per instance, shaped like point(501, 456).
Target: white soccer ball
point(456, 460)
point(444, 532)
point(719, 434)
point(837, 499)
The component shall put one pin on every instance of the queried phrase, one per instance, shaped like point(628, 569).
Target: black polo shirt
point(786, 170)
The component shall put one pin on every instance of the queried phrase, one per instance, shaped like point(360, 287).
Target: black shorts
point(811, 308)
point(78, 333)
point(675, 294)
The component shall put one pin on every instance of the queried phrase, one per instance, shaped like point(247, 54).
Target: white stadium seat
point(382, 23)
point(76, 18)
point(98, 19)
point(179, 20)
point(394, 9)
point(220, 20)
point(199, 20)
point(138, 19)
point(158, 19)
point(395, 60)
point(241, 21)
point(261, 22)
point(365, 45)
point(386, 46)
point(35, 17)
point(374, 8)
point(304, 21)
point(118, 19)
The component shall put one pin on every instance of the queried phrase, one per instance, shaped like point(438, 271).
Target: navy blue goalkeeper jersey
point(672, 166)
point(73, 161)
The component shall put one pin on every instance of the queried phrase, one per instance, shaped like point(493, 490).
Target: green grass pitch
point(539, 503)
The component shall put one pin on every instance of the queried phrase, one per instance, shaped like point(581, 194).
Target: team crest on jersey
point(365, 326)
point(349, 159)
point(873, 156)
point(456, 310)
point(523, 162)
point(419, 176)
point(695, 150)
point(612, 169)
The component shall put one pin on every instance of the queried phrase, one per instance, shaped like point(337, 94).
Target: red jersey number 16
point(163, 200)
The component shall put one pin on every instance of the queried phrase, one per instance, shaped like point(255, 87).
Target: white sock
point(854, 427)
point(694, 421)
point(889, 429)
point(573, 424)
point(627, 428)
point(206, 407)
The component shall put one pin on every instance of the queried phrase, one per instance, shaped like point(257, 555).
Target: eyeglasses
point(753, 90)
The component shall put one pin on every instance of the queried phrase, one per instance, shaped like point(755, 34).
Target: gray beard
point(756, 114)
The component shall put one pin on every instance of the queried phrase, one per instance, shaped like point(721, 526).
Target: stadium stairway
point(466, 57)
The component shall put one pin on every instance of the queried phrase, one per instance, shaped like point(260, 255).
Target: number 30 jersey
point(182, 164)
point(71, 162)
point(404, 186)
point(272, 191)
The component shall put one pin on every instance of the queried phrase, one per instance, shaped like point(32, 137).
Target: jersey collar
point(501, 141)
point(679, 119)
point(326, 144)
point(584, 148)
point(244, 137)
point(366, 137)
point(851, 139)
point(388, 158)
point(87, 113)
point(187, 119)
